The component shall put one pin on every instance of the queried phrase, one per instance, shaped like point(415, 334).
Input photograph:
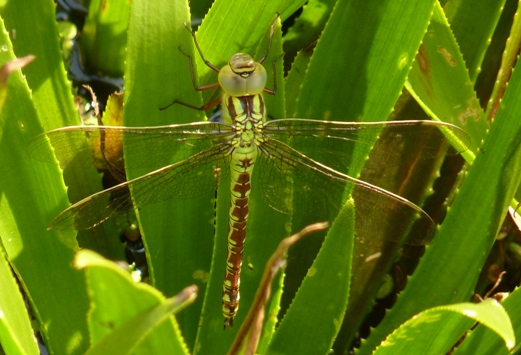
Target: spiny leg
point(273, 66)
point(272, 30)
point(209, 104)
point(274, 69)
point(207, 62)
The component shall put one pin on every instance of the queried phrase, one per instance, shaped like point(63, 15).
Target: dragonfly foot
point(228, 322)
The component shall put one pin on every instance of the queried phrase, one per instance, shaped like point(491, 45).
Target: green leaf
point(33, 192)
point(317, 310)
point(508, 61)
point(296, 75)
point(177, 234)
point(104, 36)
point(495, 65)
point(357, 54)
point(252, 327)
point(469, 229)
point(307, 27)
point(440, 82)
point(436, 330)
point(357, 73)
point(53, 96)
point(16, 334)
point(484, 340)
point(128, 317)
point(473, 24)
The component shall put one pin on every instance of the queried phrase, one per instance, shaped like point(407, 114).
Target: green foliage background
point(347, 61)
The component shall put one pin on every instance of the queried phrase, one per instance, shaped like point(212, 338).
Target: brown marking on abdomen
point(236, 237)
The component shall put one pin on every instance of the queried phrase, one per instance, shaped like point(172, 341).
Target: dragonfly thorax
point(242, 76)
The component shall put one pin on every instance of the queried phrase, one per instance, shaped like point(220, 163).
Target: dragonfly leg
point(207, 62)
point(202, 108)
point(192, 74)
point(209, 104)
point(272, 30)
point(273, 65)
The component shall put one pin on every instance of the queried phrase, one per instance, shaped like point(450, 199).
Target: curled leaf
point(249, 333)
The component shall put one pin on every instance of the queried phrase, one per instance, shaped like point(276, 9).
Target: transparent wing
point(186, 179)
point(151, 147)
point(333, 143)
point(289, 178)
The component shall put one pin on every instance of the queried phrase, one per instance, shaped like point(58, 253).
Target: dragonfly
point(287, 154)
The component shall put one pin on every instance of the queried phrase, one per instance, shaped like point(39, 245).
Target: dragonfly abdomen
point(242, 161)
point(240, 191)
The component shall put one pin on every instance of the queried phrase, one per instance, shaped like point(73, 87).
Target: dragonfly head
point(242, 76)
